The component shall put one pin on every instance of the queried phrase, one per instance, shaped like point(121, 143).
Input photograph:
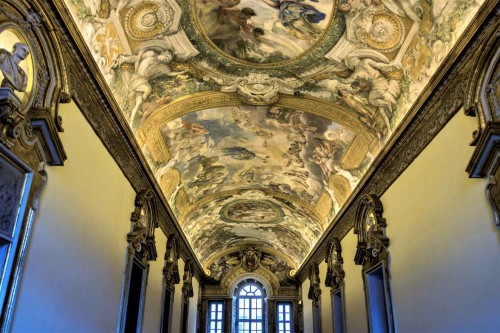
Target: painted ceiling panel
point(260, 117)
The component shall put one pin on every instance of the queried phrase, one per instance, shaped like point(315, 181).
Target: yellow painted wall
point(154, 290)
point(73, 275)
point(355, 309)
point(326, 300)
point(177, 307)
point(444, 246)
point(306, 308)
point(193, 307)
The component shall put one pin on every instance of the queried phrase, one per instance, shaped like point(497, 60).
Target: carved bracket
point(315, 284)
point(144, 220)
point(171, 268)
point(187, 280)
point(370, 226)
point(335, 273)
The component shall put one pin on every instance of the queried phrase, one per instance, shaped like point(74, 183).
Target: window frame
point(209, 315)
point(338, 327)
point(263, 297)
point(291, 321)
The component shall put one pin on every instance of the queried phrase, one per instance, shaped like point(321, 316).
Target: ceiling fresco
point(264, 31)
point(260, 117)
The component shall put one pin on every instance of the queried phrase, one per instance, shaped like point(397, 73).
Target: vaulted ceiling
point(260, 117)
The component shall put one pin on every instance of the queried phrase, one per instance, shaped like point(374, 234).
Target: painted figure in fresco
point(148, 65)
point(326, 153)
point(298, 18)
point(378, 79)
point(14, 76)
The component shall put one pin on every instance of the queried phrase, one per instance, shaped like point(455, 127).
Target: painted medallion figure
point(14, 76)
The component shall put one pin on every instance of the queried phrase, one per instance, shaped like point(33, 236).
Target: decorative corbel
point(370, 228)
point(335, 274)
point(187, 280)
point(314, 293)
point(144, 221)
point(171, 268)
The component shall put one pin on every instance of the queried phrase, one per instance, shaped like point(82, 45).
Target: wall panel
point(73, 276)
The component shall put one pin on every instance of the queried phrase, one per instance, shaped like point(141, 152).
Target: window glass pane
point(249, 310)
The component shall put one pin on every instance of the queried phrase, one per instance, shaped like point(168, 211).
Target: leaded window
point(215, 317)
point(250, 309)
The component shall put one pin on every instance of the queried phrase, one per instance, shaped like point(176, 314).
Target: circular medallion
point(386, 33)
point(148, 19)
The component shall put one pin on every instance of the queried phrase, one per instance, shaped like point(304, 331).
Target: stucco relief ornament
point(256, 88)
point(151, 19)
point(250, 259)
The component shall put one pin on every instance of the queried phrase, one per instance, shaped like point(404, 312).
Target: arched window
point(250, 307)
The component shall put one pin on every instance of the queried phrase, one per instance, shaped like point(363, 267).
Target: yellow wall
point(154, 291)
point(326, 300)
point(355, 310)
point(306, 307)
point(73, 275)
point(193, 307)
point(444, 245)
point(177, 310)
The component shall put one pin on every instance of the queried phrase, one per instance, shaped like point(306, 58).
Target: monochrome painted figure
point(14, 76)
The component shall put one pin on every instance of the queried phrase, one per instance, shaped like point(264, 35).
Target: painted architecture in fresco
point(260, 117)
